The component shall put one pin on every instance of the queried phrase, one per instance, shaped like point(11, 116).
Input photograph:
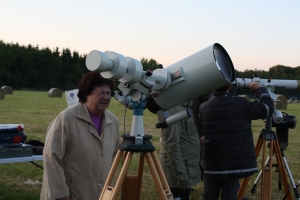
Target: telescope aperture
point(224, 62)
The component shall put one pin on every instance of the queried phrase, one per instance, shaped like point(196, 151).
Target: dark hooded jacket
point(228, 150)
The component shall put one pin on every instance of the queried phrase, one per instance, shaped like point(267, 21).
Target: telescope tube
point(194, 76)
point(286, 84)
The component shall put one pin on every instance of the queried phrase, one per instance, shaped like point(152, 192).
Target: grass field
point(36, 110)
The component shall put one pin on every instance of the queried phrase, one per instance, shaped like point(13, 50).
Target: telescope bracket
point(138, 140)
point(137, 143)
point(268, 135)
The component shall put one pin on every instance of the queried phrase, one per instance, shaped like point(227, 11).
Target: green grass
point(36, 110)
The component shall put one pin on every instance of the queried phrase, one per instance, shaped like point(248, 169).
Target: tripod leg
point(258, 177)
point(266, 173)
point(161, 174)
point(132, 184)
point(243, 187)
point(113, 192)
point(106, 188)
point(140, 173)
point(246, 180)
point(161, 192)
point(122, 175)
point(282, 173)
point(291, 177)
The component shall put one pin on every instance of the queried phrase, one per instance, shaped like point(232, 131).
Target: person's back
point(180, 159)
point(228, 146)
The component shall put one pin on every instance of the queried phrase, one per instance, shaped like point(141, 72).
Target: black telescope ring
point(224, 62)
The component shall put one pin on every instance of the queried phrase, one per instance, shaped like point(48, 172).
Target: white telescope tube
point(115, 66)
point(287, 84)
point(196, 75)
point(177, 117)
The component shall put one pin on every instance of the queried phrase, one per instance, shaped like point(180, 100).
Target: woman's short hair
point(88, 83)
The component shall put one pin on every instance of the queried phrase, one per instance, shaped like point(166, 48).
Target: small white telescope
point(270, 84)
point(286, 84)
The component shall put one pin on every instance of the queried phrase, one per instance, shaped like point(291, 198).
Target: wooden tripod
point(132, 184)
point(266, 135)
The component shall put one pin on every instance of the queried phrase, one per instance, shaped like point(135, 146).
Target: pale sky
point(256, 34)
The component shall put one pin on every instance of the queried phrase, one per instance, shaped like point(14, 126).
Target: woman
point(81, 143)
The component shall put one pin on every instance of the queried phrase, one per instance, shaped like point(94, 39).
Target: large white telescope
point(163, 89)
point(193, 76)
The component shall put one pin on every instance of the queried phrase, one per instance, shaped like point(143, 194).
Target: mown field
point(36, 110)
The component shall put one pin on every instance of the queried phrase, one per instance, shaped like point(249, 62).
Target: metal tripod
point(268, 135)
point(279, 181)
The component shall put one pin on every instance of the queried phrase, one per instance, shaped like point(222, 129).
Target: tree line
point(35, 68)
point(31, 67)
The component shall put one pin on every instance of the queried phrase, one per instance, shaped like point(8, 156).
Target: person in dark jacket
point(228, 148)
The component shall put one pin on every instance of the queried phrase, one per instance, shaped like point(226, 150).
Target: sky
point(256, 34)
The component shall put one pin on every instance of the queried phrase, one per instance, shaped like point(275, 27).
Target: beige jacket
point(180, 154)
point(76, 160)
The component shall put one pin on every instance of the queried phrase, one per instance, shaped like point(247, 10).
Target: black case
point(24, 150)
point(12, 139)
point(12, 135)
